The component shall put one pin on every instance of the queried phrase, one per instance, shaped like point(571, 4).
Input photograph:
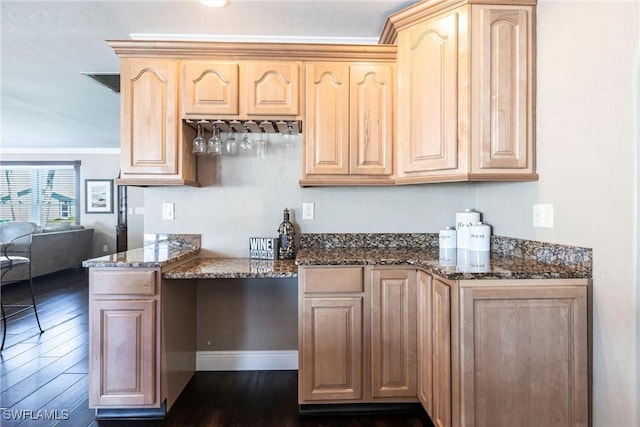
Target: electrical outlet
point(543, 216)
point(105, 248)
point(307, 210)
point(168, 211)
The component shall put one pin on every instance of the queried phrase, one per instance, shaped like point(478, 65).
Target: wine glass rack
point(241, 126)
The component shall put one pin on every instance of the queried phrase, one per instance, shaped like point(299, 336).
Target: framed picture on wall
point(98, 196)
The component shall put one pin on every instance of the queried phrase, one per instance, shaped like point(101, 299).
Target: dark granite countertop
point(233, 268)
point(159, 250)
point(509, 258)
point(452, 265)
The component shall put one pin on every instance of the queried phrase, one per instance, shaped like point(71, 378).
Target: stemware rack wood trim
point(240, 126)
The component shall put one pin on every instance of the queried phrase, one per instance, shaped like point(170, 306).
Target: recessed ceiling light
point(214, 3)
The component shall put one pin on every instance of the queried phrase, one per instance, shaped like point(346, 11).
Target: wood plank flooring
point(44, 378)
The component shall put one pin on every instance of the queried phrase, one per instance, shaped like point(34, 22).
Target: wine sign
point(263, 248)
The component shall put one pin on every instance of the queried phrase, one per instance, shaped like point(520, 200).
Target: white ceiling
point(46, 45)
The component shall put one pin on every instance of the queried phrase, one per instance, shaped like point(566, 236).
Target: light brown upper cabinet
point(210, 89)
point(348, 124)
point(154, 141)
point(243, 90)
point(466, 91)
point(272, 88)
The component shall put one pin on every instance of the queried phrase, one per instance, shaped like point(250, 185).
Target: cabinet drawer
point(342, 279)
point(123, 281)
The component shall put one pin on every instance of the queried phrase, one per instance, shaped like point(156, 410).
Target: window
point(42, 192)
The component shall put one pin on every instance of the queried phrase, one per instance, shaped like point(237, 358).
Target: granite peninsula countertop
point(159, 250)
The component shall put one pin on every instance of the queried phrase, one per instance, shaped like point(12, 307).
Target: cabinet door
point(123, 363)
point(441, 356)
point(425, 348)
point(393, 333)
point(327, 119)
point(502, 89)
point(428, 96)
point(331, 349)
point(150, 140)
point(371, 131)
point(524, 356)
point(209, 88)
point(271, 88)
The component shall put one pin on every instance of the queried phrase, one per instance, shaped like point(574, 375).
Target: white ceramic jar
point(480, 237)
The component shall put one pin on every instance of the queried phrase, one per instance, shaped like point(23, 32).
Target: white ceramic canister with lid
point(463, 221)
point(480, 237)
point(447, 238)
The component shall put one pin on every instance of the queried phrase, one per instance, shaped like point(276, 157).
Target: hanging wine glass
point(231, 145)
point(289, 138)
point(214, 145)
point(246, 144)
point(199, 145)
point(261, 148)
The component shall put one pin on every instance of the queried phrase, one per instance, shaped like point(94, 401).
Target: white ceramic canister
point(447, 238)
point(448, 257)
point(480, 237)
point(463, 261)
point(479, 262)
point(463, 221)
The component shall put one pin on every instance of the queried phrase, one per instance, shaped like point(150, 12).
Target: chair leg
point(4, 325)
point(33, 300)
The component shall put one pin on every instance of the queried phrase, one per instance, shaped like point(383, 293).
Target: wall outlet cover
point(307, 210)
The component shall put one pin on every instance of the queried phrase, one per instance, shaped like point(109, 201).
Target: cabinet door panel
point(371, 131)
point(428, 96)
point(425, 348)
point(123, 347)
point(210, 88)
point(271, 88)
point(149, 117)
point(502, 91)
point(327, 124)
point(393, 334)
point(441, 323)
point(331, 362)
point(524, 356)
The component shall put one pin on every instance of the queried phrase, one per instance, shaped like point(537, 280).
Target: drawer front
point(338, 279)
point(123, 281)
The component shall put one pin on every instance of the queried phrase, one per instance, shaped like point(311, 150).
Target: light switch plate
point(307, 210)
point(168, 211)
point(543, 216)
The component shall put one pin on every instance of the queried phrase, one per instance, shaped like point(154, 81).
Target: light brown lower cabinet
point(524, 354)
point(393, 333)
point(473, 352)
point(142, 338)
point(504, 352)
point(357, 335)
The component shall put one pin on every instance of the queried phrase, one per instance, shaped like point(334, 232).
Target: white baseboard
point(272, 360)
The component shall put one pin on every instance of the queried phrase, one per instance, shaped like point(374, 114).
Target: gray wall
point(587, 134)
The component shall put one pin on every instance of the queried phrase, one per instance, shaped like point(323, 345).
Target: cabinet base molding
point(359, 408)
point(132, 413)
point(267, 360)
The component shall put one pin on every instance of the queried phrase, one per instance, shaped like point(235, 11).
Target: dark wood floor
point(44, 378)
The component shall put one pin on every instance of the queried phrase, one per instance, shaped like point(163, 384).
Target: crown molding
point(59, 150)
